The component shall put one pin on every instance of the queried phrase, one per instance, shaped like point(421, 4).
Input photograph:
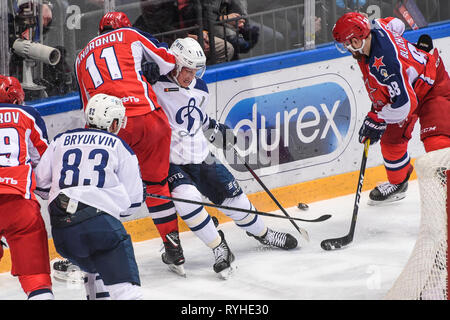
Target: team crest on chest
point(378, 63)
point(189, 115)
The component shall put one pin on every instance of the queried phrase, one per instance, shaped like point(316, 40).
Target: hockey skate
point(173, 255)
point(388, 192)
point(276, 239)
point(64, 270)
point(224, 257)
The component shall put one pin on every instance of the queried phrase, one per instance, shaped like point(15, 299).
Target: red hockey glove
point(372, 128)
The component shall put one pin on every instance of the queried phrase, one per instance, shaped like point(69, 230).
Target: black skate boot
point(173, 255)
point(388, 192)
point(224, 257)
point(276, 239)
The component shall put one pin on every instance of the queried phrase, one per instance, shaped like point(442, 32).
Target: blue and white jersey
point(94, 167)
point(185, 109)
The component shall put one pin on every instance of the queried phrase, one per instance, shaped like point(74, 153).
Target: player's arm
point(130, 176)
point(81, 87)
point(38, 138)
point(43, 172)
point(394, 24)
point(219, 134)
point(157, 52)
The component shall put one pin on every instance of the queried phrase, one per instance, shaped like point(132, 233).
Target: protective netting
point(425, 275)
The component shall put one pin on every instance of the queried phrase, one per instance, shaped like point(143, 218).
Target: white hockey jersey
point(94, 167)
point(185, 109)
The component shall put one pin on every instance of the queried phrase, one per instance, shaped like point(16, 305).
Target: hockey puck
point(302, 206)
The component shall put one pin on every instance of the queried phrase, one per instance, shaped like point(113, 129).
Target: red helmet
point(10, 90)
point(113, 20)
point(351, 25)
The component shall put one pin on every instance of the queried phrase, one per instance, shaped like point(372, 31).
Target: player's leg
point(435, 129)
point(196, 217)
point(95, 288)
point(111, 252)
point(149, 136)
point(25, 233)
point(219, 185)
point(397, 162)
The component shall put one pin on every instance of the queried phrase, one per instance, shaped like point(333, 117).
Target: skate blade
point(179, 270)
point(69, 277)
point(227, 273)
point(394, 198)
point(73, 274)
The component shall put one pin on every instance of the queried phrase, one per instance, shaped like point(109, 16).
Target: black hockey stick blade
point(338, 243)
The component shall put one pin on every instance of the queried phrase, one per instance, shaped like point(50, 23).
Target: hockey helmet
point(188, 53)
point(113, 20)
point(11, 90)
point(350, 25)
point(103, 109)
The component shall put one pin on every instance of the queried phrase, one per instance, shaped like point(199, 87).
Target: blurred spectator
point(171, 15)
point(270, 22)
point(289, 24)
point(240, 32)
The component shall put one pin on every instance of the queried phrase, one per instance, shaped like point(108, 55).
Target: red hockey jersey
point(397, 75)
point(111, 64)
point(23, 140)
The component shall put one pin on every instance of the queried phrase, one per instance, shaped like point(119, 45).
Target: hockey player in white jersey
point(93, 180)
point(194, 171)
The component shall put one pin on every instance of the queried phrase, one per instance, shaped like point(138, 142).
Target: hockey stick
point(337, 243)
point(302, 231)
point(319, 219)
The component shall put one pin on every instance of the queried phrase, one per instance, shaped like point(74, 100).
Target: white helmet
point(103, 109)
point(188, 53)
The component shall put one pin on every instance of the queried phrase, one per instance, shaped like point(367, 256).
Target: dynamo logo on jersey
point(189, 115)
point(293, 124)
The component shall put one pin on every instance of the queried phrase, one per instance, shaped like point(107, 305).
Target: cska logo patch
point(378, 63)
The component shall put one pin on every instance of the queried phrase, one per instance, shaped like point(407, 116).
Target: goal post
point(425, 275)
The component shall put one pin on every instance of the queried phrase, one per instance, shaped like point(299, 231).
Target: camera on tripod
point(24, 46)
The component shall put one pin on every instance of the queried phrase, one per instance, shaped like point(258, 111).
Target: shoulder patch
point(200, 84)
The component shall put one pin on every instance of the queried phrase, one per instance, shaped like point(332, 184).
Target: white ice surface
point(365, 270)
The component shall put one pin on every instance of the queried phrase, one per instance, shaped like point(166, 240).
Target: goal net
point(425, 276)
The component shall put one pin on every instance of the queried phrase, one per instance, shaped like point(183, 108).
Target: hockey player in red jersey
point(23, 140)
point(111, 64)
point(404, 83)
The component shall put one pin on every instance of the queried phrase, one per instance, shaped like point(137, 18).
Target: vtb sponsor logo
point(293, 124)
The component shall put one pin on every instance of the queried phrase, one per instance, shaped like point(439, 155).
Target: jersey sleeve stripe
point(407, 101)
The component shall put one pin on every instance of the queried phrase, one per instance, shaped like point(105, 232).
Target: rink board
point(316, 99)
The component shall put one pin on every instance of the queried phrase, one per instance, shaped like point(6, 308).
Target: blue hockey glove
point(150, 70)
point(220, 134)
point(372, 128)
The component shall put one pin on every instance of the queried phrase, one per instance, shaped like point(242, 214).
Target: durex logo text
point(295, 123)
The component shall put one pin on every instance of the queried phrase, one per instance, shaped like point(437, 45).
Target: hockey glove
point(372, 128)
point(150, 70)
point(425, 43)
point(220, 135)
